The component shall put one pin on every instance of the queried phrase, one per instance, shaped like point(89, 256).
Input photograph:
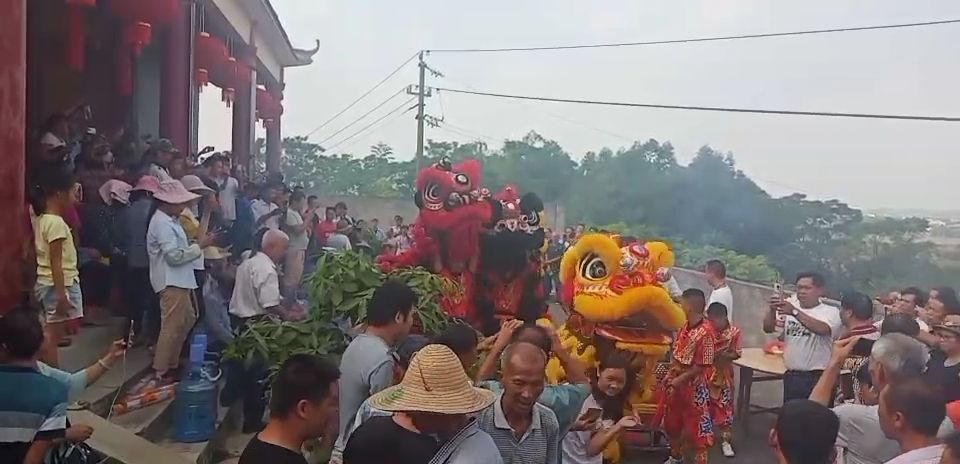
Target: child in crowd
point(685, 402)
point(728, 348)
point(58, 280)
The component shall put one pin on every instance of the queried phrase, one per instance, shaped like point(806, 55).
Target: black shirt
point(260, 452)
point(380, 440)
point(946, 377)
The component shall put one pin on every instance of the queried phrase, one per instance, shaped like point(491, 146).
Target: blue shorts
point(47, 296)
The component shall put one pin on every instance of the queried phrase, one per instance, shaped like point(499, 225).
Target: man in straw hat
point(524, 430)
point(433, 399)
point(172, 261)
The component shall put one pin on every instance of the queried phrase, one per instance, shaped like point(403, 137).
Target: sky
point(867, 163)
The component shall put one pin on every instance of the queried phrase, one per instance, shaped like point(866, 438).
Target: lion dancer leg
point(687, 422)
point(721, 407)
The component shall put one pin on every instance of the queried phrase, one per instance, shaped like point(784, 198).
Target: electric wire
point(363, 95)
point(364, 115)
point(695, 39)
point(381, 118)
point(708, 108)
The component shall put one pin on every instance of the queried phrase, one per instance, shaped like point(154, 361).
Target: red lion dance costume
point(490, 244)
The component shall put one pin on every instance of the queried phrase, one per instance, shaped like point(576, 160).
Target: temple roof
point(297, 56)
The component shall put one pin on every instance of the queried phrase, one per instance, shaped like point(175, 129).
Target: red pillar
point(243, 121)
point(274, 148)
point(175, 81)
point(13, 103)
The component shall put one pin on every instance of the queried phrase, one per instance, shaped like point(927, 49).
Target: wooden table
point(756, 366)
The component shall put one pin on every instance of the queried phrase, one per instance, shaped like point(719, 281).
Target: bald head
point(523, 367)
point(522, 355)
point(274, 244)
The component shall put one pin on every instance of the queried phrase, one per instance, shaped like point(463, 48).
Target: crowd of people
point(857, 390)
point(176, 242)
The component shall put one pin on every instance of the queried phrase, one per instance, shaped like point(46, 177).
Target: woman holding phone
point(601, 417)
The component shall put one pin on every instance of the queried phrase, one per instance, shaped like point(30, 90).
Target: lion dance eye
point(593, 268)
point(461, 179)
point(431, 194)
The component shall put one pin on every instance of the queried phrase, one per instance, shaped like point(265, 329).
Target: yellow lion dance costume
point(618, 303)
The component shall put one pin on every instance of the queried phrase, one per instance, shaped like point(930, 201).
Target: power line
point(470, 133)
point(693, 40)
point(381, 118)
point(710, 108)
point(364, 115)
point(363, 137)
point(362, 96)
point(557, 116)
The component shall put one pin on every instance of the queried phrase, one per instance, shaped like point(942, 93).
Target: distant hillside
point(946, 215)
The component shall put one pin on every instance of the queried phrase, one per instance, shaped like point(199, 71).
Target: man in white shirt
point(266, 213)
point(256, 291)
point(809, 329)
point(716, 273)
point(911, 412)
point(910, 302)
point(229, 188)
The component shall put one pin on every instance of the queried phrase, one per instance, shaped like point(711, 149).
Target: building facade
point(133, 69)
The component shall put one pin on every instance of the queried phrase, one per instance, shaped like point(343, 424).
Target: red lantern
point(201, 77)
point(210, 52)
point(138, 35)
point(268, 106)
point(240, 74)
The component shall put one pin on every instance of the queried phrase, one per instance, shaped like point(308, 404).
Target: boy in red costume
point(728, 349)
point(685, 402)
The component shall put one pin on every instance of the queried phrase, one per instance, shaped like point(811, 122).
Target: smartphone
point(778, 287)
point(592, 414)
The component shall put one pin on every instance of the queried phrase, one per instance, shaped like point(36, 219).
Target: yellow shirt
point(190, 224)
point(50, 228)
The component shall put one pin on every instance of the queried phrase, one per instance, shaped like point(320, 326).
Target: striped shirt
point(32, 407)
point(540, 444)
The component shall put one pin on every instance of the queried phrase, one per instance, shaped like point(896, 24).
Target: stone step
point(121, 445)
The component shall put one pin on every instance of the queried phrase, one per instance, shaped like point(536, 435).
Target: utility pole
point(421, 94)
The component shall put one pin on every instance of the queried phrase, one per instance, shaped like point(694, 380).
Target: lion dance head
point(617, 301)
point(454, 208)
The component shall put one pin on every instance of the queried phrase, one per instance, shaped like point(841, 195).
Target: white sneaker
point(671, 460)
point(727, 449)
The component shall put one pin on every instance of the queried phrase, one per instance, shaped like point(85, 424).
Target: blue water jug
point(198, 349)
point(195, 406)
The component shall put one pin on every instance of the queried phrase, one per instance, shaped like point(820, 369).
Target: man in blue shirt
point(33, 407)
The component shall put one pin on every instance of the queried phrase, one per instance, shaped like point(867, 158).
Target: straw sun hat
point(174, 193)
point(434, 383)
